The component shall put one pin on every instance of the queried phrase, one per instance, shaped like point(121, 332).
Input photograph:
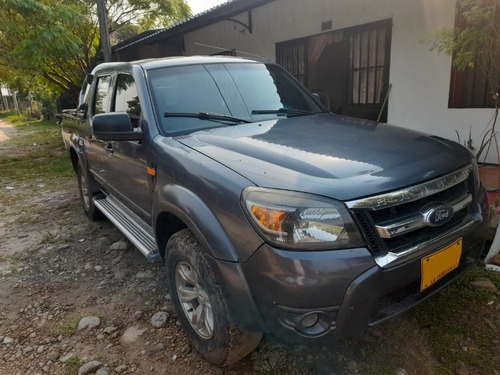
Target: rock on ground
point(89, 368)
point(461, 368)
point(120, 245)
point(159, 320)
point(132, 334)
point(88, 323)
point(483, 283)
point(495, 260)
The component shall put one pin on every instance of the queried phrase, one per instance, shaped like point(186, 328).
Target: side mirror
point(115, 126)
point(323, 99)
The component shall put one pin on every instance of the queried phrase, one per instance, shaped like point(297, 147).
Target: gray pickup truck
point(270, 213)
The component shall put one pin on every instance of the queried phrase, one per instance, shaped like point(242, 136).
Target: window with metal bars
point(367, 68)
point(350, 66)
point(292, 56)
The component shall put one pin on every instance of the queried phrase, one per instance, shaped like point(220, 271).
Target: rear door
point(98, 151)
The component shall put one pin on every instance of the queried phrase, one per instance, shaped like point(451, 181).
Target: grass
point(454, 324)
point(44, 160)
point(72, 366)
point(16, 118)
point(69, 324)
point(433, 337)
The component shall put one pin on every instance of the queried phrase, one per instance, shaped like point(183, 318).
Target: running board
point(132, 227)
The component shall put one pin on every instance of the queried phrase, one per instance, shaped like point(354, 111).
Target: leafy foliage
point(146, 14)
point(46, 43)
point(475, 40)
point(49, 46)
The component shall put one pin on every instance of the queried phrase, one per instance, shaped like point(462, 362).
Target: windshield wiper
point(206, 116)
point(281, 111)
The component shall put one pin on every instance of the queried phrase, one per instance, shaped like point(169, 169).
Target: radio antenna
point(225, 49)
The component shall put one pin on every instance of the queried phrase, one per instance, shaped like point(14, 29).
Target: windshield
point(225, 94)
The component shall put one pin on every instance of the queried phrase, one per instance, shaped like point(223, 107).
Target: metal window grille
point(367, 65)
point(292, 57)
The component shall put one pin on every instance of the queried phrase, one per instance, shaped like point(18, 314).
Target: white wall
point(420, 78)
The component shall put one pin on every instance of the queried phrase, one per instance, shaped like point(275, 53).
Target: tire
point(86, 194)
point(200, 304)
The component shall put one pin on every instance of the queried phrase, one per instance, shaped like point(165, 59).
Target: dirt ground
point(57, 267)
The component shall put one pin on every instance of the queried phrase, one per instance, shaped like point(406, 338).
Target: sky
point(198, 6)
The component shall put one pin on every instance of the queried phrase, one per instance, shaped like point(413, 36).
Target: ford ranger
point(270, 213)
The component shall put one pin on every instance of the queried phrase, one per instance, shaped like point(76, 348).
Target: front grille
point(398, 221)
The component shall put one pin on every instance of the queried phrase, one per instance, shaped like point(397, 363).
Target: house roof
point(216, 14)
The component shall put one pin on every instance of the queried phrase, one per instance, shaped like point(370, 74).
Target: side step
point(132, 227)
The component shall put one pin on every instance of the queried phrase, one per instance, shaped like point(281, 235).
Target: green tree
point(475, 42)
point(146, 14)
point(50, 41)
point(55, 43)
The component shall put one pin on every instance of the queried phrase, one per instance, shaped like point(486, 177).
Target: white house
point(361, 53)
point(5, 99)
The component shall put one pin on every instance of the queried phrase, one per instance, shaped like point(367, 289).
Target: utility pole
point(104, 31)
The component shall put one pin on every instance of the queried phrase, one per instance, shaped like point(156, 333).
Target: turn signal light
point(270, 219)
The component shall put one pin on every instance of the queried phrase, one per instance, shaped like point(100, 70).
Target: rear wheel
point(86, 194)
point(200, 304)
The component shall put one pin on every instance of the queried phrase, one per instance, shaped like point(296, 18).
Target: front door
point(121, 166)
point(127, 168)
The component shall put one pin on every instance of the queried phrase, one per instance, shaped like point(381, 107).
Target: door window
point(101, 103)
point(127, 98)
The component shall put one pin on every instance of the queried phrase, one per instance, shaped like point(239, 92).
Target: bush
point(5, 114)
point(17, 118)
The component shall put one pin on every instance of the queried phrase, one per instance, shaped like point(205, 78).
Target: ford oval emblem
point(439, 215)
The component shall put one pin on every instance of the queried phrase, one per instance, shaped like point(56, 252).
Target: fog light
point(309, 320)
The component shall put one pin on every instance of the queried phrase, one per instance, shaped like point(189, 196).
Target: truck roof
point(155, 63)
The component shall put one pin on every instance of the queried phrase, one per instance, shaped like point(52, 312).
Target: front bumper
point(306, 295)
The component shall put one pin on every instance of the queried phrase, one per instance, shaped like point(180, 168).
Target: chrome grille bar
point(391, 259)
point(402, 225)
point(412, 193)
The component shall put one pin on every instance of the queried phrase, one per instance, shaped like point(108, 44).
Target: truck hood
point(336, 156)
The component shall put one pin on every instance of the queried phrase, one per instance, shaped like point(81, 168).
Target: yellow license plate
point(439, 264)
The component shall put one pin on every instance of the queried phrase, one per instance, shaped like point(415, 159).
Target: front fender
point(192, 211)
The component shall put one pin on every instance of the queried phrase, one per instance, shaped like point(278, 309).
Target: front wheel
point(86, 194)
point(200, 304)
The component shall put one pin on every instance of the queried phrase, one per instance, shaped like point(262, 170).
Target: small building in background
point(367, 56)
point(6, 99)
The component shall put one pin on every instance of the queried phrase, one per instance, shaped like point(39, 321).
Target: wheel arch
point(74, 158)
point(179, 208)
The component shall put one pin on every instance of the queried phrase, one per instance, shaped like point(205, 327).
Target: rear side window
point(127, 98)
point(102, 97)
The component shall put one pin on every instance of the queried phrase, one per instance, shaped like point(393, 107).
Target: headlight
point(300, 221)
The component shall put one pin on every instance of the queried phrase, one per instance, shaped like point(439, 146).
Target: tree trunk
point(103, 28)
